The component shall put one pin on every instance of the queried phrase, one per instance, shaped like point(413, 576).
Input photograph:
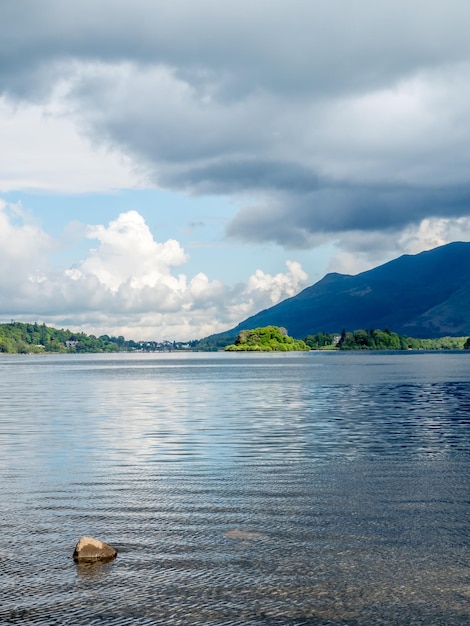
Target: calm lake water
point(293, 489)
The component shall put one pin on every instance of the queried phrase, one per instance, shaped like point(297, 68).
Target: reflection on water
point(238, 489)
point(92, 571)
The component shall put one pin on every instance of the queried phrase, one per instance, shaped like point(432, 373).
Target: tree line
point(21, 338)
point(24, 338)
point(382, 340)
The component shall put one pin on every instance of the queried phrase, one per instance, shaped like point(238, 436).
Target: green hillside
point(20, 338)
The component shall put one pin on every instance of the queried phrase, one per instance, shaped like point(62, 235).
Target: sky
point(169, 168)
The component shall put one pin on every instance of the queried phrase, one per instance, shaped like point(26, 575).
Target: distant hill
point(422, 295)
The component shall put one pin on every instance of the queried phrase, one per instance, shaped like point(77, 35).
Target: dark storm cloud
point(333, 211)
point(244, 175)
point(331, 116)
point(301, 47)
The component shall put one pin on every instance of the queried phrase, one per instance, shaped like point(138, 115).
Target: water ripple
point(311, 489)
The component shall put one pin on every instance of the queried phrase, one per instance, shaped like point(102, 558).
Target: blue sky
point(170, 168)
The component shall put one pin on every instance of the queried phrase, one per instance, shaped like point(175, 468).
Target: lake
point(239, 489)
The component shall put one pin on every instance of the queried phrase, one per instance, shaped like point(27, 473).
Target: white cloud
point(42, 149)
point(345, 262)
point(430, 233)
point(358, 252)
point(24, 245)
point(128, 254)
point(280, 285)
point(126, 285)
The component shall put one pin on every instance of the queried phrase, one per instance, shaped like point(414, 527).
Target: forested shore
point(382, 340)
point(25, 338)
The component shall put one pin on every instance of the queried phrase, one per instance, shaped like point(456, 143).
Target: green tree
point(267, 339)
point(319, 340)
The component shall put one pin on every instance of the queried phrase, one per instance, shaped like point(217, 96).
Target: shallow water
point(238, 489)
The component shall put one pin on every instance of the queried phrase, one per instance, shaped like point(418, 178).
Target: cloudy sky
point(169, 167)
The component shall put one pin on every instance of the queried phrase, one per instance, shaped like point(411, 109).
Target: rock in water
point(89, 550)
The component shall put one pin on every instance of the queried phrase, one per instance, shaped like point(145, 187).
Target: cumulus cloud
point(24, 246)
point(128, 254)
point(280, 285)
point(431, 233)
point(360, 251)
point(126, 284)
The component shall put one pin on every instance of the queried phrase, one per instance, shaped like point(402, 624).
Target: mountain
point(422, 295)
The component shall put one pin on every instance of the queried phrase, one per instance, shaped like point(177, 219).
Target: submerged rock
point(245, 535)
point(89, 550)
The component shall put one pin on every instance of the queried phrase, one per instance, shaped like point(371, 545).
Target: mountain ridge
point(426, 295)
